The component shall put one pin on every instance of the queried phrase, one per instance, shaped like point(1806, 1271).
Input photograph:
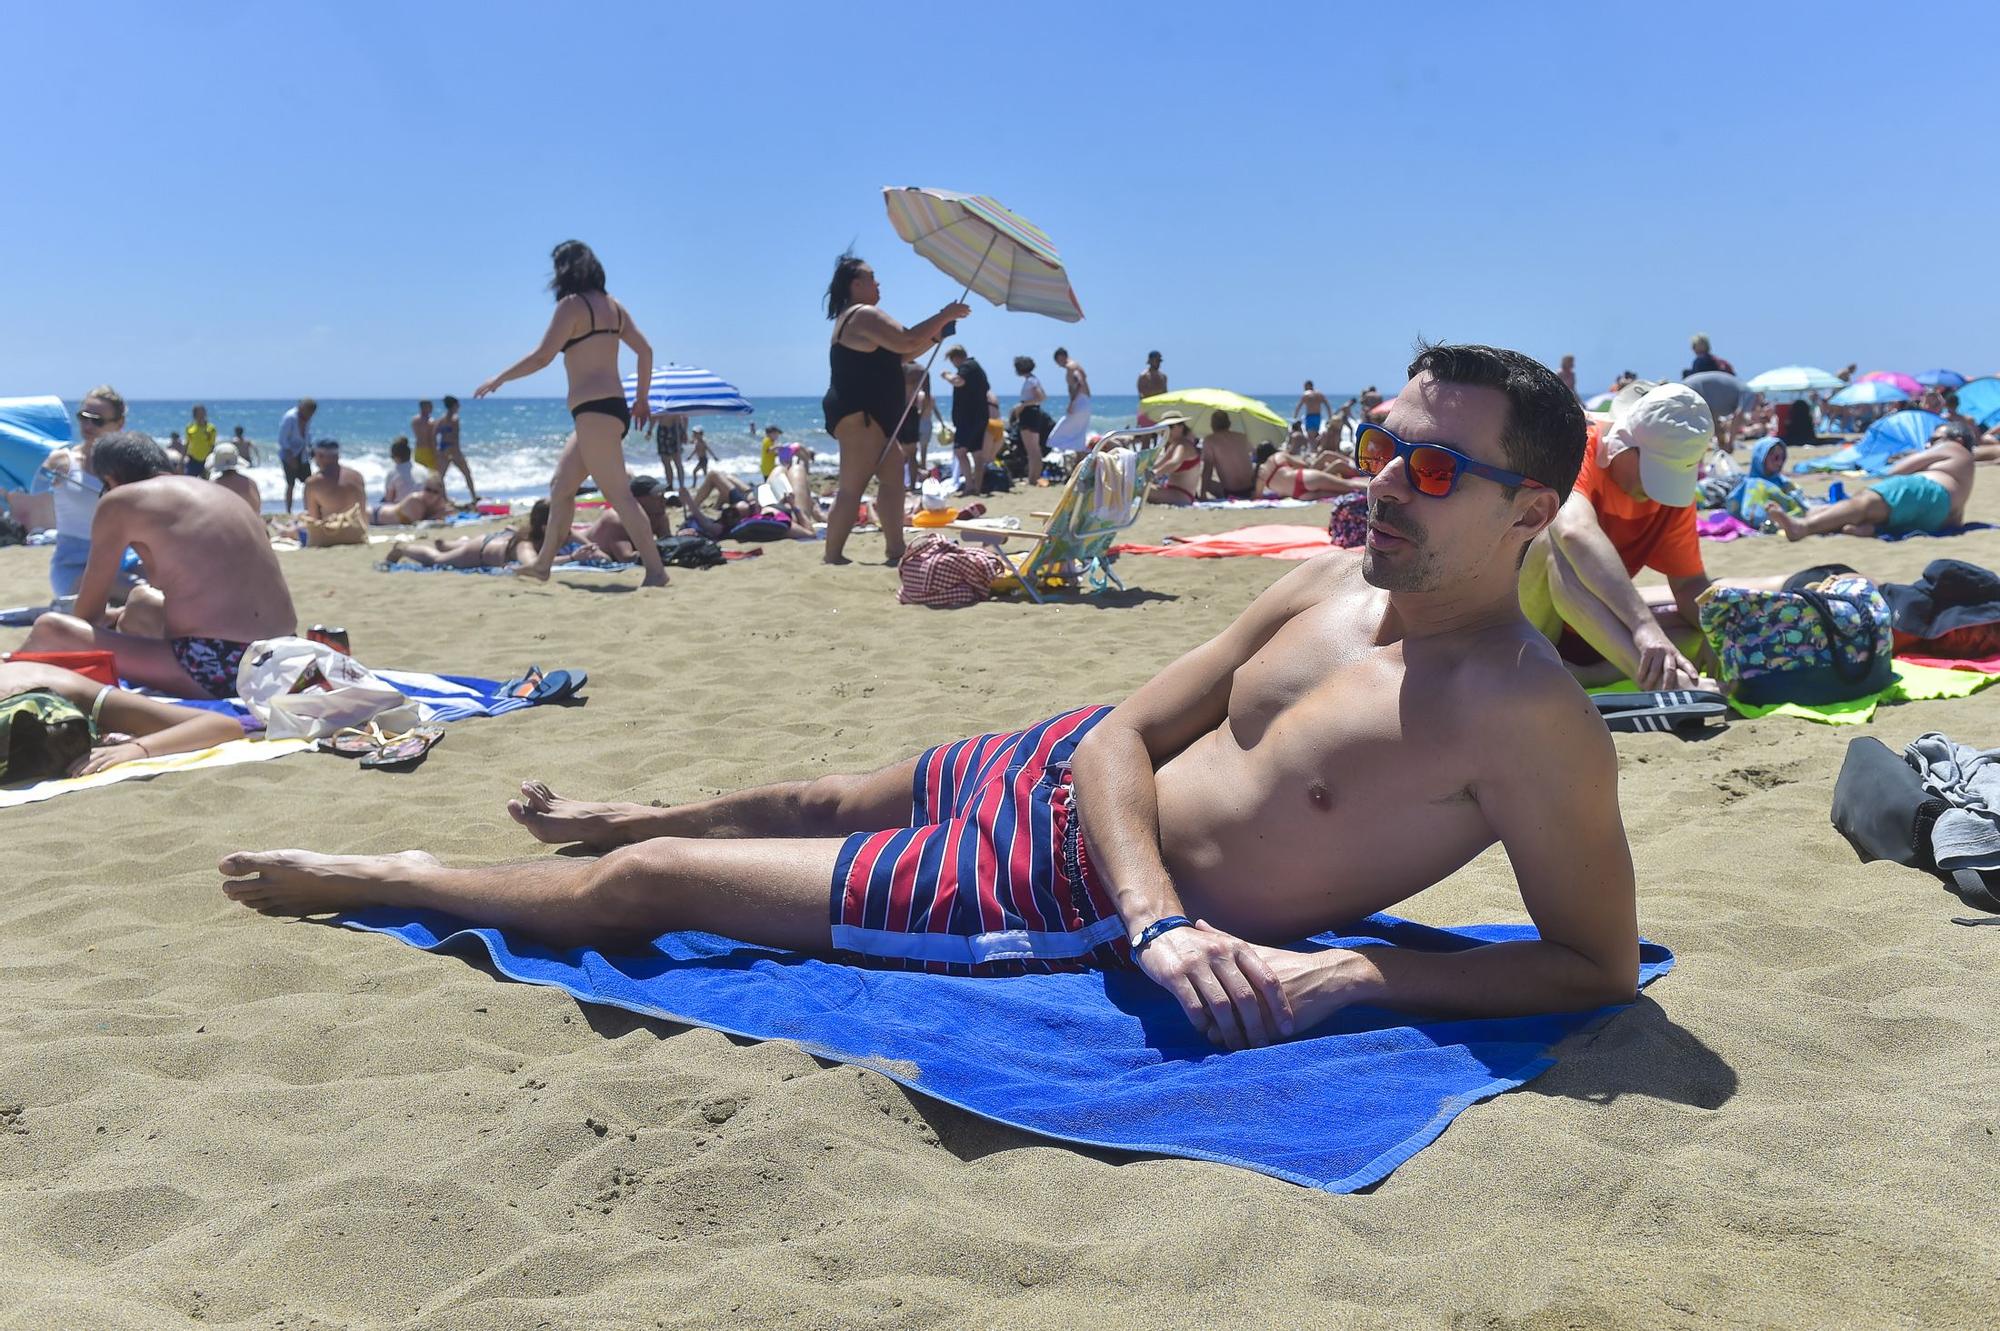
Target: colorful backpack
point(1816, 642)
point(1348, 523)
point(41, 735)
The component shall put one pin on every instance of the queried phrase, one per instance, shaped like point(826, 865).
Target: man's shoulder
point(1511, 687)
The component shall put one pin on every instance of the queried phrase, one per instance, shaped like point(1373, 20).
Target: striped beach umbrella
point(684, 390)
point(1868, 393)
point(989, 249)
point(1795, 379)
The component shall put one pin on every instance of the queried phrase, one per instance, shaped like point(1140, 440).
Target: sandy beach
point(210, 1116)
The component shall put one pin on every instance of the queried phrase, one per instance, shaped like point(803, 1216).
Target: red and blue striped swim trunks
point(991, 876)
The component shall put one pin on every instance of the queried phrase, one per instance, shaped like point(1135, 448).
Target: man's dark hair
point(128, 456)
point(1061, 354)
point(399, 448)
point(1544, 436)
point(576, 269)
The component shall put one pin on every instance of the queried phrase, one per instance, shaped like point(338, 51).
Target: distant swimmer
point(1152, 383)
point(449, 454)
point(1311, 409)
point(423, 435)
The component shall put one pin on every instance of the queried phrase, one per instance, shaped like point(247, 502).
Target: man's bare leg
point(1868, 510)
point(829, 806)
point(770, 892)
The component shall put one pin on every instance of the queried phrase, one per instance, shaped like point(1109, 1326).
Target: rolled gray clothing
point(1722, 391)
point(1967, 835)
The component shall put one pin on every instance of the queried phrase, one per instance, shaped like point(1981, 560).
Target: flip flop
point(405, 750)
point(554, 686)
point(525, 686)
point(1672, 710)
point(353, 742)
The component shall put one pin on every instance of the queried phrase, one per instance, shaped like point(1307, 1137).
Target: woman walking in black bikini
point(587, 328)
point(866, 399)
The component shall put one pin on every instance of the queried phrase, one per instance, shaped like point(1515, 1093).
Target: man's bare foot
point(300, 882)
point(530, 572)
point(566, 822)
point(835, 559)
point(650, 581)
point(1793, 529)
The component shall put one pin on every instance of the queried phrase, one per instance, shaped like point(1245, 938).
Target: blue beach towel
point(1097, 1058)
point(451, 697)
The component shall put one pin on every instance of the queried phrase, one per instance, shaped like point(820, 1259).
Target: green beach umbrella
point(1247, 416)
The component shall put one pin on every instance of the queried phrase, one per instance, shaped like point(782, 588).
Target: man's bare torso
point(209, 555)
point(1952, 468)
point(329, 495)
point(423, 432)
point(1152, 383)
point(1344, 778)
point(238, 484)
point(1229, 453)
point(1079, 382)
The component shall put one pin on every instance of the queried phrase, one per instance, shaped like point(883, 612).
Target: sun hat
point(1671, 427)
point(224, 457)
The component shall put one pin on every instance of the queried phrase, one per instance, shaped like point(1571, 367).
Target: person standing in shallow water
point(865, 399)
point(587, 327)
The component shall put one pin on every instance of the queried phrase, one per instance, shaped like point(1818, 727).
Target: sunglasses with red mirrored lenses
point(1434, 469)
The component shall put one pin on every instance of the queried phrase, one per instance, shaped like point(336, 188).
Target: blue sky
point(358, 199)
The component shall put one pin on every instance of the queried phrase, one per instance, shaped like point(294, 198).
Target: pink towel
point(1721, 526)
point(1985, 665)
point(1272, 542)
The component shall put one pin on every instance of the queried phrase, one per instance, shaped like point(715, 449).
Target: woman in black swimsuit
point(587, 328)
point(866, 399)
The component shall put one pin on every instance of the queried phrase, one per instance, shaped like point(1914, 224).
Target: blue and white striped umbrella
point(683, 390)
point(1868, 393)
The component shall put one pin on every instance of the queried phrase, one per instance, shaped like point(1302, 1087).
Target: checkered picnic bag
point(940, 572)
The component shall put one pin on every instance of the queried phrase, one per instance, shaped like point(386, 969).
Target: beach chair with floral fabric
point(1105, 494)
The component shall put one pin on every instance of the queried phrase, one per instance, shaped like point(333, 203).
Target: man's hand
point(1223, 984)
point(1661, 665)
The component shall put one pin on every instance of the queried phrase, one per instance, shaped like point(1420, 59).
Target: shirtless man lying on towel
point(1368, 725)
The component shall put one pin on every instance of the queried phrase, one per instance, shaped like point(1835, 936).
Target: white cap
point(224, 457)
point(1671, 427)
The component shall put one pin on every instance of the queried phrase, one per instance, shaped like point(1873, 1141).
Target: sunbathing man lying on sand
point(1367, 726)
point(1924, 492)
point(124, 726)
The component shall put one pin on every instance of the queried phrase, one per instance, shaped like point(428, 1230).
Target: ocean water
point(512, 442)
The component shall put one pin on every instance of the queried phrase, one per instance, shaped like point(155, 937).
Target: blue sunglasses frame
point(1461, 464)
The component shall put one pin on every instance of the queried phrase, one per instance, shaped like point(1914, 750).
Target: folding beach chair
point(1104, 496)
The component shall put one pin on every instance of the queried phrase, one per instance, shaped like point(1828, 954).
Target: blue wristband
point(1165, 924)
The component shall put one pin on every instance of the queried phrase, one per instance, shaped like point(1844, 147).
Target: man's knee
point(822, 803)
point(59, 633)
point(625, 887)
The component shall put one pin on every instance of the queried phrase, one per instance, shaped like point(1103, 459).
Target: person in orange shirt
point(1632, 508)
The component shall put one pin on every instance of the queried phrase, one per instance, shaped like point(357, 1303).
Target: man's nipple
point(1321, 797)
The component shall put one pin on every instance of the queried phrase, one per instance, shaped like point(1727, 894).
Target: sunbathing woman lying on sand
point(1366, 727)
point(496, 549)
point(124, 726)
point(1283, 476)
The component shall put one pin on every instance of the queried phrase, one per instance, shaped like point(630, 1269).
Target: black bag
point(997, 479)
point(1881, 807)
point(690, 550)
